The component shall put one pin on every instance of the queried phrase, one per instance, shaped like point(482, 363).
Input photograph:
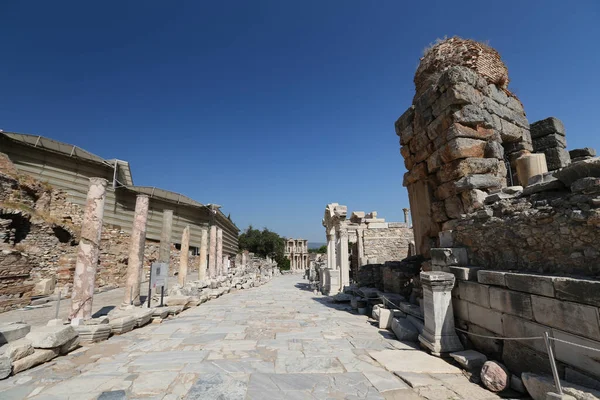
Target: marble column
point(88, 251)
point(406, 211)
point(225, 265)
point(212, 256)
point(135, 261)
point(244, 258)
point(344, 264)
point(219, 251)
point(331, 251)
point(164, 254)
point(203, 254)
point(438, 334)
point(184, 256)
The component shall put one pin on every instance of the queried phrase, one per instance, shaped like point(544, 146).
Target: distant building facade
point(296, 250)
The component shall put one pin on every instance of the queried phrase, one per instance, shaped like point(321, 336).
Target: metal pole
point(553, 364)
point(150, 287)
point(131, 296)
point(57, 306)
point(162, 295)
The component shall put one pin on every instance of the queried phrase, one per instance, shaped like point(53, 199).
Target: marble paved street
point(278, 341)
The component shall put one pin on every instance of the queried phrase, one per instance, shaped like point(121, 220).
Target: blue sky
point(274, 108)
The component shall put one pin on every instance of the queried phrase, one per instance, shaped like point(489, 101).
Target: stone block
point(494, 376)
point(40, 356)
point(578, 290)
point(552, 140)
point(576, 377)
point(49, 337)
point(474, 293)
point(489, 277)
point(576, 171)
point(17, 349)
point(511, 302)
point(495, 150)
point(417, 323)
point(584, 152)
point(404, 330)
point(5, 366)
point(459, 148)
point(12, 331)
point(547, 185)
point(539, 385)
point(411, 309)
point(69, 346)
point(516, 327)
point(557, 158)
point(454, 207)
point(377, 225)
point(385, 318)
point(446, 238)
point(123, 324)
point(589, 185)
point(469, 183)
point(460, 308)
point(177, 300)
point(470, 166)
point(547, 126)
point(567, 316)
point(93, 333)
point(469, 359)
point(473, 200)
point(583, 359)
point(449, 256)
point(486, 318)
point(520, 358)
point(464, 273)
point(529, 283)
point(44, 287)
point(491, 347)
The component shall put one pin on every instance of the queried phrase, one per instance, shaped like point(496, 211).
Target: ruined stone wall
point(387, 244)
point(508, 304)
point(454, 140)
point(550, 232)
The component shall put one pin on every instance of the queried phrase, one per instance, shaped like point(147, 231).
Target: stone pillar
point(135, 260)
point(344, 265)
point(360, 247)
point(225, 265)
point(164, 254)
point(212, 256)
point(406, 211)
point(203, 254)
point(219, 251)
point(184, 256)
point(331, 251)
point(438, 335)
point(244, 258)
point(88, 251)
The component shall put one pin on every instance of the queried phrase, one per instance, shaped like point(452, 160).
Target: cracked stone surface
point(277, 341)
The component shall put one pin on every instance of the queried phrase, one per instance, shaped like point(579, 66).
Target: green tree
point(264, 243)
point(320, 250)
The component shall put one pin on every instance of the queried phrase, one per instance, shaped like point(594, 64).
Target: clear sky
point(274, 108)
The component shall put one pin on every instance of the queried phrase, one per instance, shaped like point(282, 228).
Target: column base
point(440, 345)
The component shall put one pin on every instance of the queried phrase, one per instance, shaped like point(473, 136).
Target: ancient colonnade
point(212, 261)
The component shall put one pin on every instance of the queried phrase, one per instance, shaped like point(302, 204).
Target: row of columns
point(211, 257)
point(298, 262)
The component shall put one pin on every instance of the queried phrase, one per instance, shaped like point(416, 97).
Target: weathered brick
point(511, 302)
point(515, 327)
point(489, 277)
point(474, 293)
point(486, 318)
point(567, 316)
point(536, 284)
point(578, 290)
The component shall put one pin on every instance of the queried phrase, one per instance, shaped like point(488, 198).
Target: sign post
point(159, 274)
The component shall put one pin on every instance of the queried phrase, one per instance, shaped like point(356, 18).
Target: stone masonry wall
point(387, 244)
point(509, 304)
point(454, 139)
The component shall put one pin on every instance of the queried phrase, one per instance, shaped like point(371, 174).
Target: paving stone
point(113, 395)
point(384, 381)
point(414, 361)
point(217, 386)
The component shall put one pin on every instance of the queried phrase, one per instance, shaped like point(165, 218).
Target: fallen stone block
point(174, 310)
point(122, 325)
point(575, 171)
point(50, 337)
point(404, 330)
point(417, 323)
point(342, 298)
point(538, 385)
point(375, 312)
point(549, 184)
point(177, 300)
point(411, 309)
point(93, 333)
point(588, 185)
point(17, 349)
point(12, 331)
point(44, 287)
point(469, 359)
point(40, 356)
point(583, 152)
point(69, 346)
point(5, 366)
point(385, 318)
point(160, 312)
